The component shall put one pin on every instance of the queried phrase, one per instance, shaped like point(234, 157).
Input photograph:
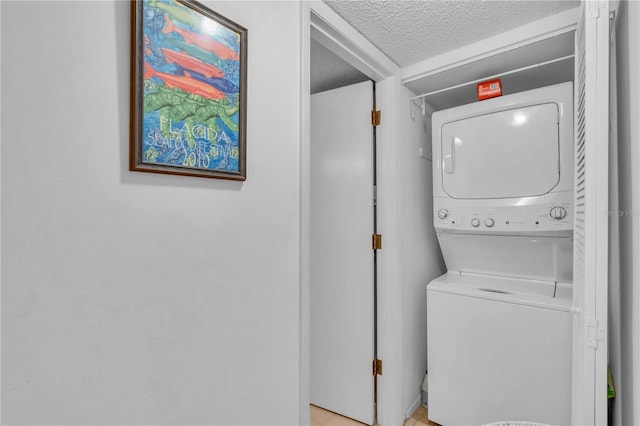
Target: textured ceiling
point(409, 31)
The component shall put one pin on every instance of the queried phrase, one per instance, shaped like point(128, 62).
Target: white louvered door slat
point(590, 253)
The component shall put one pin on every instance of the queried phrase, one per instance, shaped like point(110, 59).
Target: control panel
point(554, 216)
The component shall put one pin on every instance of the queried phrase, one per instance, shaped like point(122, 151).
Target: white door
point(342, 266)
point(591, 210)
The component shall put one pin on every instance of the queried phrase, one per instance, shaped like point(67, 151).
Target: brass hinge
point(377, 367)
point(375, 118)
point(376, 241)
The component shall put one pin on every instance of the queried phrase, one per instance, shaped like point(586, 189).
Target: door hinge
point(377, 367)
point(375, 118)
point(376, 241)
point(595, 334)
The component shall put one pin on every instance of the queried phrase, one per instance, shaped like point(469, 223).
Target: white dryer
point(499, 322)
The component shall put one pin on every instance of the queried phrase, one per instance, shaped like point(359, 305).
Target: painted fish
point(180, 13)
point(196, 52)
point(219, 83)
point(189, 62)
point(185, 83)
point(202, 41)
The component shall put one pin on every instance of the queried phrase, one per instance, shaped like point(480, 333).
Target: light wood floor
point(321, 417)
point(420, 418)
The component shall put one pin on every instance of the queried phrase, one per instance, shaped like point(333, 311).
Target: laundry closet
point(568, 52)
point(540, 75)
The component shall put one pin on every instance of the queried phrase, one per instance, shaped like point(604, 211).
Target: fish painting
point(185, 83)
point(196, 52)
point(189, 62)
point(219, 83)
point(178, 11)
point(204, 42)
point(190, 77)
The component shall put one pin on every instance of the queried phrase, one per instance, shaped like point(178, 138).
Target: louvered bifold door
point(591, 91)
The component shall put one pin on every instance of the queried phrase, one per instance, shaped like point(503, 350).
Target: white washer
point(499, 322)
point(497, 350)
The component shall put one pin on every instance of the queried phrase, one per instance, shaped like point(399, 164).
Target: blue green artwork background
point(182, 128)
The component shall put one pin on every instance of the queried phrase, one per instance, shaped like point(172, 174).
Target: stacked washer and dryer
point(499, 321)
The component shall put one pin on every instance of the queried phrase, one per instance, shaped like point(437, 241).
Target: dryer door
point(506, 154)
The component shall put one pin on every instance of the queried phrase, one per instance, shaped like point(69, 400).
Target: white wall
point(420, 256)
point(628, 69)
point(132, 298)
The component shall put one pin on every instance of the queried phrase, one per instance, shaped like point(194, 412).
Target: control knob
point(475, 222)
point(558, 213)
point(489, 222)
point(443, 214)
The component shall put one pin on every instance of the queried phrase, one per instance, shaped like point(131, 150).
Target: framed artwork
point(188, 90)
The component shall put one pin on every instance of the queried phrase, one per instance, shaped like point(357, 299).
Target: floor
point(419, 418)
point(321, 417)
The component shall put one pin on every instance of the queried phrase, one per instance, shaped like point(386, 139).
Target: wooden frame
point(188, 91)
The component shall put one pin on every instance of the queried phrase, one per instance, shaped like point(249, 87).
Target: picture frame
point(188, 91)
